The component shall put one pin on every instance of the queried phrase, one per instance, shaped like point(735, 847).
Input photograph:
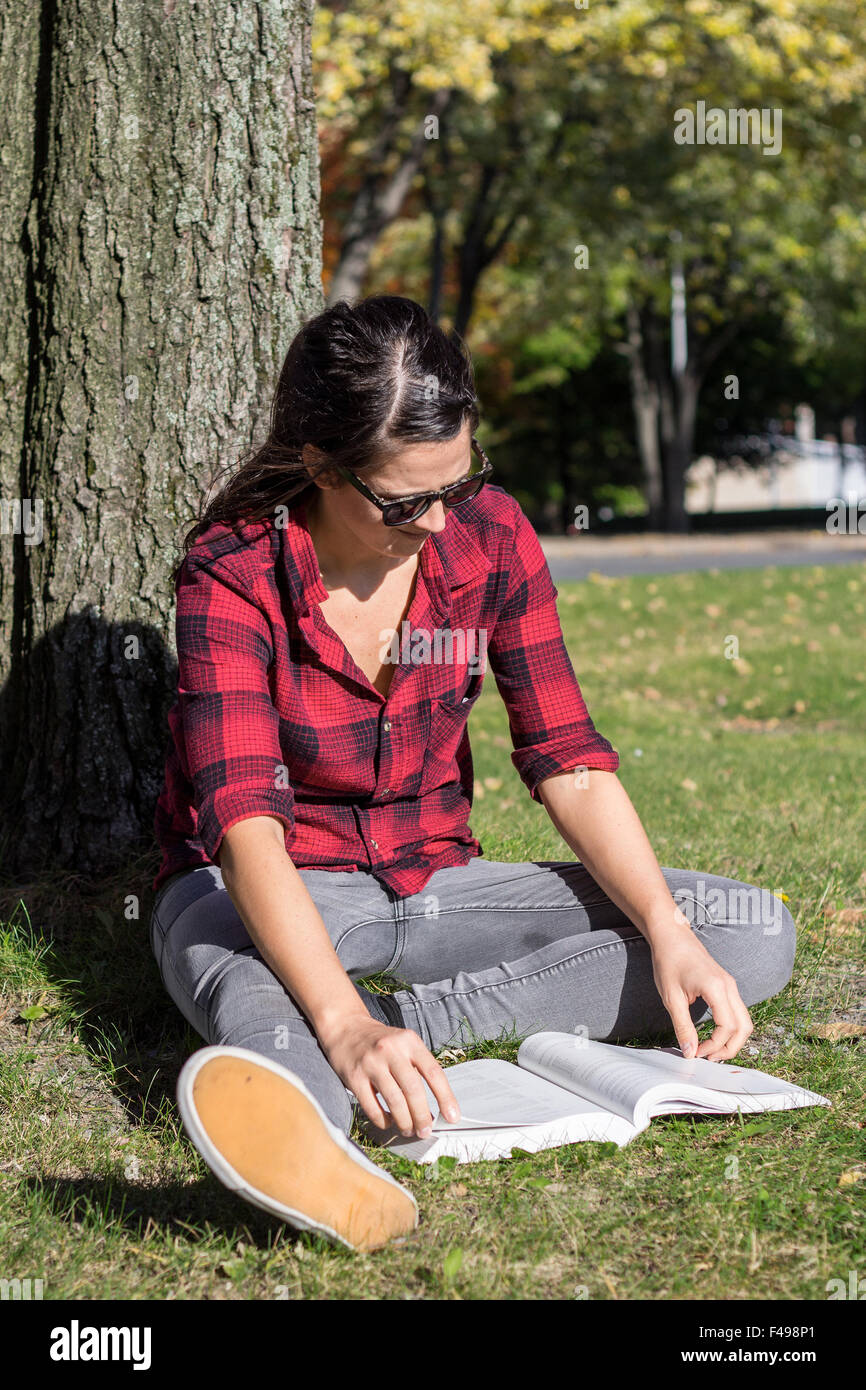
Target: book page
point(472, 1145)
point(729, 1078)
point(493, 1094)
point(603, 1073)
point(619, 1078)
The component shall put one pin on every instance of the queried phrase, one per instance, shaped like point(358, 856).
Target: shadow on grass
point(197, 1211)
point(92, 947)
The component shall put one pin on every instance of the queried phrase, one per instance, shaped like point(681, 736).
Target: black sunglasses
point(397, 511)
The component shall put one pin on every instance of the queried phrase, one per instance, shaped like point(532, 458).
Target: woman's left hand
point(684, 971)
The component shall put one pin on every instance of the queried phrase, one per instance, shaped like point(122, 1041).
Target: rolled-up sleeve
point(230, 724)
point(551, 729)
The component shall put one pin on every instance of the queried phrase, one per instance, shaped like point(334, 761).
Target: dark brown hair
point(358, 381)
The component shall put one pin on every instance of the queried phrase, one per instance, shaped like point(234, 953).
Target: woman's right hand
point(369, 1056)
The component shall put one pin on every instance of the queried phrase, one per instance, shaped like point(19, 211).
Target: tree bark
point(174, 248)
point(19, 72)
point(436, 202)
point(481, 243)
point(677, 408)
point(645, 403)
point(687, 391)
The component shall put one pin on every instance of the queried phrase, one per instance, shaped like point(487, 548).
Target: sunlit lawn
point(751, 767)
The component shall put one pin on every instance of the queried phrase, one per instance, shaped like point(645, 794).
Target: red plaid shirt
point(273, 717)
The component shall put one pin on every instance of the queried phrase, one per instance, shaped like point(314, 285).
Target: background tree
point(422, 110)
point(565, 136)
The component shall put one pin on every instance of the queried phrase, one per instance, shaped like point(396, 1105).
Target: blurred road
point(574, 557)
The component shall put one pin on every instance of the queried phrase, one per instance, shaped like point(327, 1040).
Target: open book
point(567, 1088)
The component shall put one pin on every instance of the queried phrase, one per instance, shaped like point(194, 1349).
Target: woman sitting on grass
point(336, 606)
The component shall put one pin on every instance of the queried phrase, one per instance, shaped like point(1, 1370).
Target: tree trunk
point(19, 67)
point(677, 408)
point(437, 264)
point(174, 249)
point(680, 456)
point(436, 202)
point(379, 201)
point(645, 403)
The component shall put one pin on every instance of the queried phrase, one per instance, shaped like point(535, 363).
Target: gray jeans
point(488, 949)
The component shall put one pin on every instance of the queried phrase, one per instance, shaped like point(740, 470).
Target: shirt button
point(387, 726)
point(375, 844)
point(385, 791)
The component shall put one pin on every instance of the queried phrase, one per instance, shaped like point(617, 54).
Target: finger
point(435, 1076)
point(409, 1081)
point(687, 1035)
point(724, 1018)
point(392, 1093)
point(742, 1027)
point(366, 1098)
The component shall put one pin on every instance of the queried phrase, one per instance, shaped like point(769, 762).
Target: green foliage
point(561, 134)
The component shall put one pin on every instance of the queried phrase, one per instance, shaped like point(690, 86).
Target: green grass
point(102, 1195)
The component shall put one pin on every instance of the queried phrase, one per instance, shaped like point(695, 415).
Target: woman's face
point(351, 525)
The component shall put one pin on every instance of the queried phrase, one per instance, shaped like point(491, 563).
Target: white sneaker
point(263, 1134)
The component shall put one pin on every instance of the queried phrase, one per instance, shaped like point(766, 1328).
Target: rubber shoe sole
point(264, 1136)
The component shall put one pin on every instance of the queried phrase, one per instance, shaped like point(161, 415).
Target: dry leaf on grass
point(843, 921)
point(834, 1031)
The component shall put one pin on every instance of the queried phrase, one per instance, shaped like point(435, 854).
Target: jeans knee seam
point(508, 907)
point(533, 974)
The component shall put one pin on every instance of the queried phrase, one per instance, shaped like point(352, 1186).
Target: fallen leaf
point(853, 1175)
point(835, 1031)
point(689, 785)
point(844, 921)
point(33, 1012)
